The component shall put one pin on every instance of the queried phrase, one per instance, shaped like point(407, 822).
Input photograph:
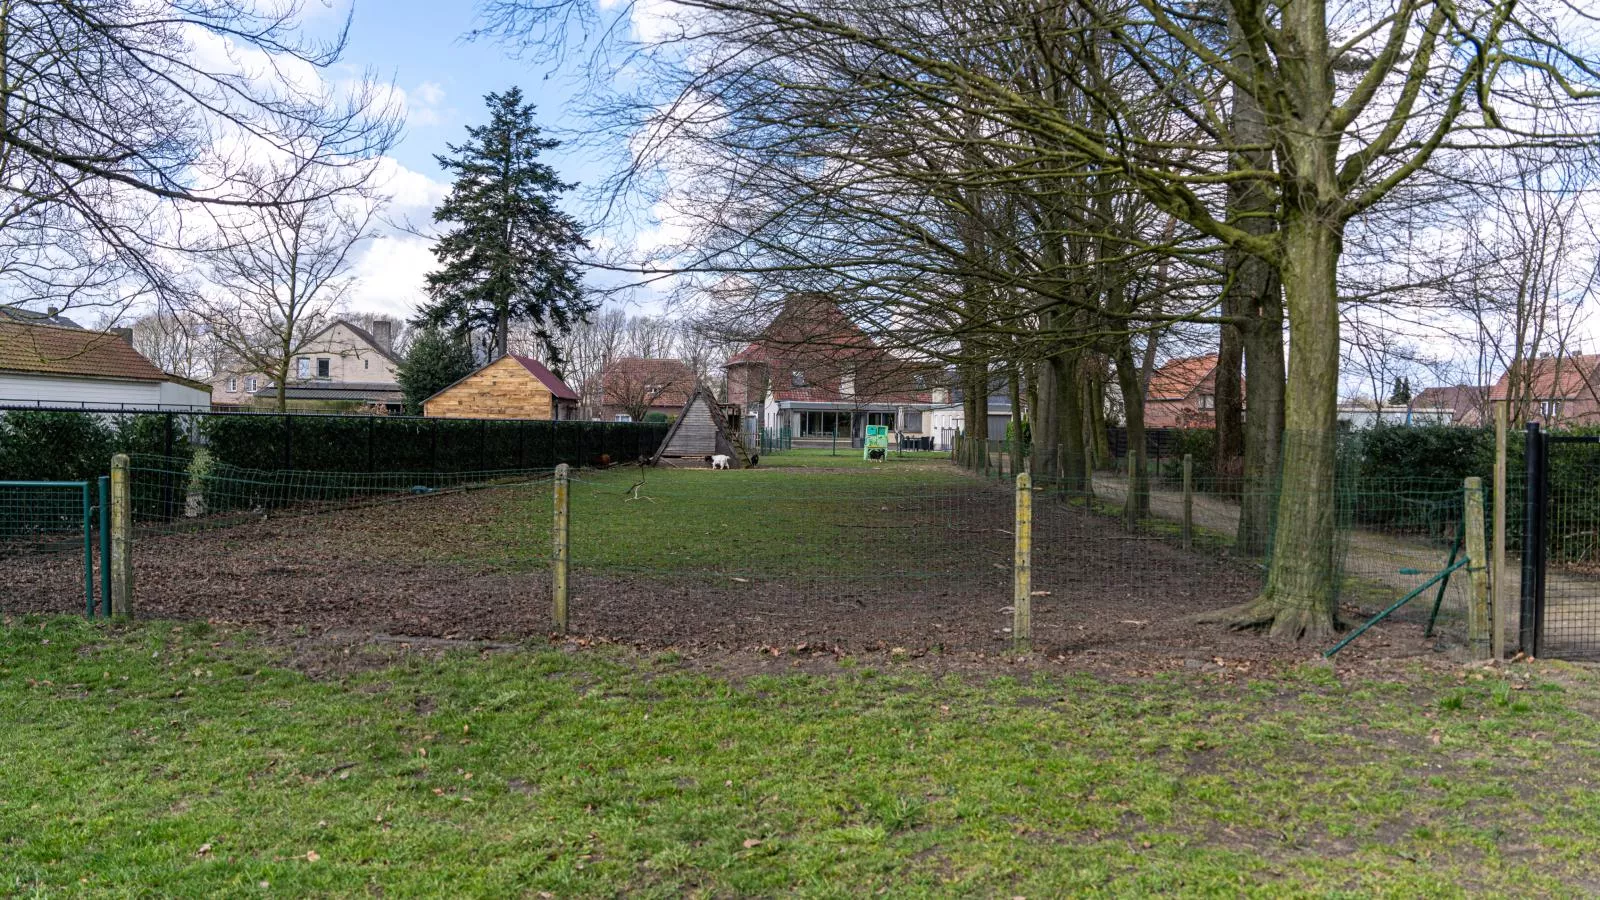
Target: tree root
point(1285, 623)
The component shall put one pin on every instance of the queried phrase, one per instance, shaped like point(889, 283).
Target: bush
point(383, 444)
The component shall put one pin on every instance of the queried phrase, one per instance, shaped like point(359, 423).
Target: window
point(366, 363)
point(323, 366)
point(250, 384)
point(797, 378)
point(1208, 401)
point(624, 417)
point(881, 418)
point(913, 422)
point(302, 367)
point(233, 385)
point(1550, 409)
point(920, 381)
point(824, 422)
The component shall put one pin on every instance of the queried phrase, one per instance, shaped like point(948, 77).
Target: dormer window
point(920, 381)
point(797, 378)
point(1208, 401)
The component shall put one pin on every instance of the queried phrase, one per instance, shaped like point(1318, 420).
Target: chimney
point(383, 333)
point(125, 333)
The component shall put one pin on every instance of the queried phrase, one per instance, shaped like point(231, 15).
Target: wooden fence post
point(559, 561)
point(1499, 586)
point(1022, 569)
point(121, 537)
point(1061, 469)
point(1479, 644)
point(1188, 501)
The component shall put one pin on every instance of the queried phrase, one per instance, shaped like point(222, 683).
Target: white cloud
point(389, 275)
point(412, 193)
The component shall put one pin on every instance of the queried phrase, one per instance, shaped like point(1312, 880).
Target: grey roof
point(379, 391)
point(32, 317)
point(362, 333)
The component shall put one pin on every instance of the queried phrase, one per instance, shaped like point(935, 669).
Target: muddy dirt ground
point(409, 571)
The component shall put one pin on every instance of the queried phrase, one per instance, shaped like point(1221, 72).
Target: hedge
point(75, 446)
point(385, 444)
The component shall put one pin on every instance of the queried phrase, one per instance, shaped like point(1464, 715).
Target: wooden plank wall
point(501, 390)
point(696, 434)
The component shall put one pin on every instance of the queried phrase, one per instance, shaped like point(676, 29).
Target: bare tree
point(278, 273)
point(119, 121)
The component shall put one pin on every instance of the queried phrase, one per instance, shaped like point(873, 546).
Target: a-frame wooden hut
point(700, 431)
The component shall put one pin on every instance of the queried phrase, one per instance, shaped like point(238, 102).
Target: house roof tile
point(1555, 378)
point(622, 379)
point(1177, 378)
point(48, 350)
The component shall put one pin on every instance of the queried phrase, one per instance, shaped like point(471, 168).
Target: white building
point(341, 364)
point(49, 366)
point(1361, 415)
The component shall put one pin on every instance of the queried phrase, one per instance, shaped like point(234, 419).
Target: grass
point(191, 760)
point(726, 522)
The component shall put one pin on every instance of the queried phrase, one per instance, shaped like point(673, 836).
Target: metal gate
point(53, 517)
point(1560, 595)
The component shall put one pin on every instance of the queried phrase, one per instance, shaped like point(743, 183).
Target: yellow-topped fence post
point(1022, 569)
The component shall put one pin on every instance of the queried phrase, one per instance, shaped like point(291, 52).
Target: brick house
point(1183, 394)
point(1554, 389)
point(511, 387)
point(815, 372)
point(633, 387)
point(1464, 403)
point(341, 365)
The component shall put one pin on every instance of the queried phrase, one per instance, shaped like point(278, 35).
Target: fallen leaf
point(204, 849)
point(312, 856)
point(751, 842)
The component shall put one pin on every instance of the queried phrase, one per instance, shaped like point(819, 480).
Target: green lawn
point(773, 519)
point(184, 762)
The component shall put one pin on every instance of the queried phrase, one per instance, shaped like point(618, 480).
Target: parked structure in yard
point(814, 371)
point(48, 365)
point(704, 428)
point(511, 387)
point(1183, 394)
point(633, 387)
point(341, 367)
point(1554, 390)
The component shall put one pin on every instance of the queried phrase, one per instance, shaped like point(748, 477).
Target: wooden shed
point(702, 430)
point(511, 387)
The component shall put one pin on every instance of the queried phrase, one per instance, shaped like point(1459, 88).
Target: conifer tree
point(509, 255)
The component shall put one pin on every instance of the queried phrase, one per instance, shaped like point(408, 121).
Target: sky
point(421, 46)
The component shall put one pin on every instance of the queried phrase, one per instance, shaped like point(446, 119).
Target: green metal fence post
point(105, 545)
point(88, 555)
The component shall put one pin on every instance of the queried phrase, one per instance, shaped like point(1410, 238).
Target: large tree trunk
point(1263, 421)
point(1015, 449)
point(502, 333)
point(1229, 397)
point(1046, 417)
point(1069, 423)
point(1097, 441)
point(1298, 600)
point(1137, 504)
point(1254, 293)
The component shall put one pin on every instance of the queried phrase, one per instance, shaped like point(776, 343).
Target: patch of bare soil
point(1103, 600)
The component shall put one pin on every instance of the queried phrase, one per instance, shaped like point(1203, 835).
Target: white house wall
point(50, 390)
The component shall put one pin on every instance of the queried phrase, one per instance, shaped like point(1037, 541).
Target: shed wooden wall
point(501, 390)
point(697, 433)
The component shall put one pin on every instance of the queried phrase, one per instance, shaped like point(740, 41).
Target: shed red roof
point(557, 386)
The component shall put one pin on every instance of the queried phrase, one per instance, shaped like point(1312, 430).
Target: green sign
point(877, 439)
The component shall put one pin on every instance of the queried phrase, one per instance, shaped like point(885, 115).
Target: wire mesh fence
point(807, 551)
point(55, 520)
